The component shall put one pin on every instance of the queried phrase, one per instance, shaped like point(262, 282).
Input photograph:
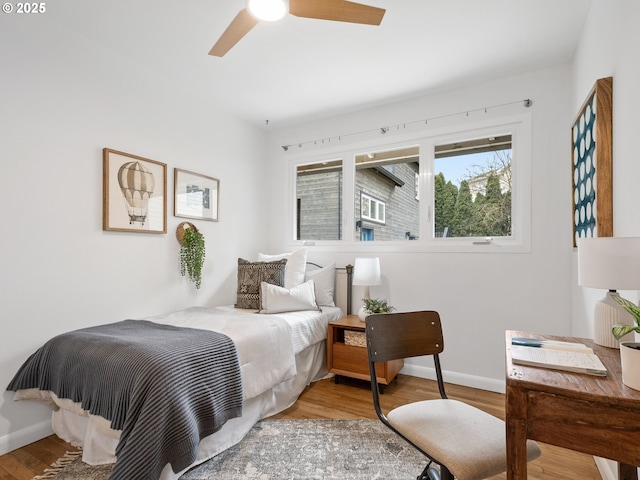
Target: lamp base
point(607, 313)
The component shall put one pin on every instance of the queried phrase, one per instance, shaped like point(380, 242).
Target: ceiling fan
point(272, 10)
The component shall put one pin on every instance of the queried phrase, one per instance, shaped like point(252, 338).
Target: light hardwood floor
point(351, 399)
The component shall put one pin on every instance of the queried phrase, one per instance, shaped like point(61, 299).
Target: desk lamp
point(366, 272)
point(611, 263)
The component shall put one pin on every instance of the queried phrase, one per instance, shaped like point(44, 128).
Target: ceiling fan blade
point(238, 28)
point(337, 10)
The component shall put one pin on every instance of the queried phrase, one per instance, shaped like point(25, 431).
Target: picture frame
point(196, 196)
point(591, 158)
point(134, 193)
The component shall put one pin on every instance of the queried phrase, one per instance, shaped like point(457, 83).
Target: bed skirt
point(99, 441)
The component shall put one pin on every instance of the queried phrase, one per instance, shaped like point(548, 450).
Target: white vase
point(630, 363)
point(362, 314)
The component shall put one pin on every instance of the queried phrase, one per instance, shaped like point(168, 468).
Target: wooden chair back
point(391, 336)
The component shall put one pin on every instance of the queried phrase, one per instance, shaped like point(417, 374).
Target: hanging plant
point(192, 253)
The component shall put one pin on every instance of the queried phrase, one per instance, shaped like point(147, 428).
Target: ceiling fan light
point(267, 10)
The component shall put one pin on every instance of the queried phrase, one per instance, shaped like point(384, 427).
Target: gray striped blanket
point(164, 387)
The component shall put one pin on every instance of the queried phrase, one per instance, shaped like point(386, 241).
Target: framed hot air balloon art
point(134, 193)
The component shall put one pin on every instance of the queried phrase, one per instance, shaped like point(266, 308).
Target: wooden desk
point(594, 415)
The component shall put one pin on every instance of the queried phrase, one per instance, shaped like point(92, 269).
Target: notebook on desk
point(554, 344)
point(572, 359)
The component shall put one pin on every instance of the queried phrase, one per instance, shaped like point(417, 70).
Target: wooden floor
point(351, 399)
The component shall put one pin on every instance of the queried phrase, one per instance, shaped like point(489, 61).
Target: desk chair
point(467, 443)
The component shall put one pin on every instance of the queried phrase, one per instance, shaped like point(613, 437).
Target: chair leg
point(431, 473)
point(445, 474)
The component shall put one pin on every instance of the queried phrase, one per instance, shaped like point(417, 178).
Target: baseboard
point(607, 468)
point(23, 437)
point(490, 384)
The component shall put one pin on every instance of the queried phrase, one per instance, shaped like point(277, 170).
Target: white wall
point(62, 99)
point(609, 47)
point(479, 296)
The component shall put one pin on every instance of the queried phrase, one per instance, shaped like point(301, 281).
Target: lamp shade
point(611, 263)
point(366, 271)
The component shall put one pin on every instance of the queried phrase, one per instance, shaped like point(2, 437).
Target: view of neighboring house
point(386, 201)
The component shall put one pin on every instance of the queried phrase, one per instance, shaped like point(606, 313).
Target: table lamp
point(611, 263)
point(366, 272)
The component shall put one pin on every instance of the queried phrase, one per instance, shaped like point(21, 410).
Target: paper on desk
point(570, 361)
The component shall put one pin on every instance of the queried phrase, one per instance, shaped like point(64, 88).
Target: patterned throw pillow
point(251, 275)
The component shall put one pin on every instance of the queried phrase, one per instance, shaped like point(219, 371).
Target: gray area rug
point(296, 450)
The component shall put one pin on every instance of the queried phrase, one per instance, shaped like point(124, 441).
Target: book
point(553, 344)
point(554, 358)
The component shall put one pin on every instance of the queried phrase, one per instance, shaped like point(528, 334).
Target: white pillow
point(277, 299)
point(324, 280)
point(294, 270)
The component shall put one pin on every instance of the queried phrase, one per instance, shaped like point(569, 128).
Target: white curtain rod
point(382, 130)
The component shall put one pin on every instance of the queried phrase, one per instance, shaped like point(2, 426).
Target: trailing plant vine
point(192, 254)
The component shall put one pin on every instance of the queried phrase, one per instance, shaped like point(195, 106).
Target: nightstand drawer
point(354, 360)
point(351, 360)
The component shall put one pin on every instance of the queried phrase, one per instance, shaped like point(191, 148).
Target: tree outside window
point(478, 202)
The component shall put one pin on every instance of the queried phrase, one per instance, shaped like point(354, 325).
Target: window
point(319, 201)
point(371, 209)
point(451, 191)
point(479, 186)
point(385, 194)
point(472, 188)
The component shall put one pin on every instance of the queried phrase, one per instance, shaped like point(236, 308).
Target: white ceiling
point(298, 68)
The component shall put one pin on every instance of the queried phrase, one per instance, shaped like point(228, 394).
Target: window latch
point(486, 241)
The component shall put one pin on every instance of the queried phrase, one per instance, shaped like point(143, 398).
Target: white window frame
point(518, 125)
point(374, 204)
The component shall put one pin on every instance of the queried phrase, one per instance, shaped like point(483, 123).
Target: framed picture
point(196, 196)
point(134, 193)
point(591, 141)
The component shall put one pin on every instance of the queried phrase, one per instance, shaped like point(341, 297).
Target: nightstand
point(347, 352)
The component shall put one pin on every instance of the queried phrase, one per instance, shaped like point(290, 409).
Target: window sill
point(435, 246)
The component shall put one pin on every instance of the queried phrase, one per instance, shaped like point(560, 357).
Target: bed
point(275, 352)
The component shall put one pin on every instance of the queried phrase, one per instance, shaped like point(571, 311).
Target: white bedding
point(276, 365)
point(265, 350)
